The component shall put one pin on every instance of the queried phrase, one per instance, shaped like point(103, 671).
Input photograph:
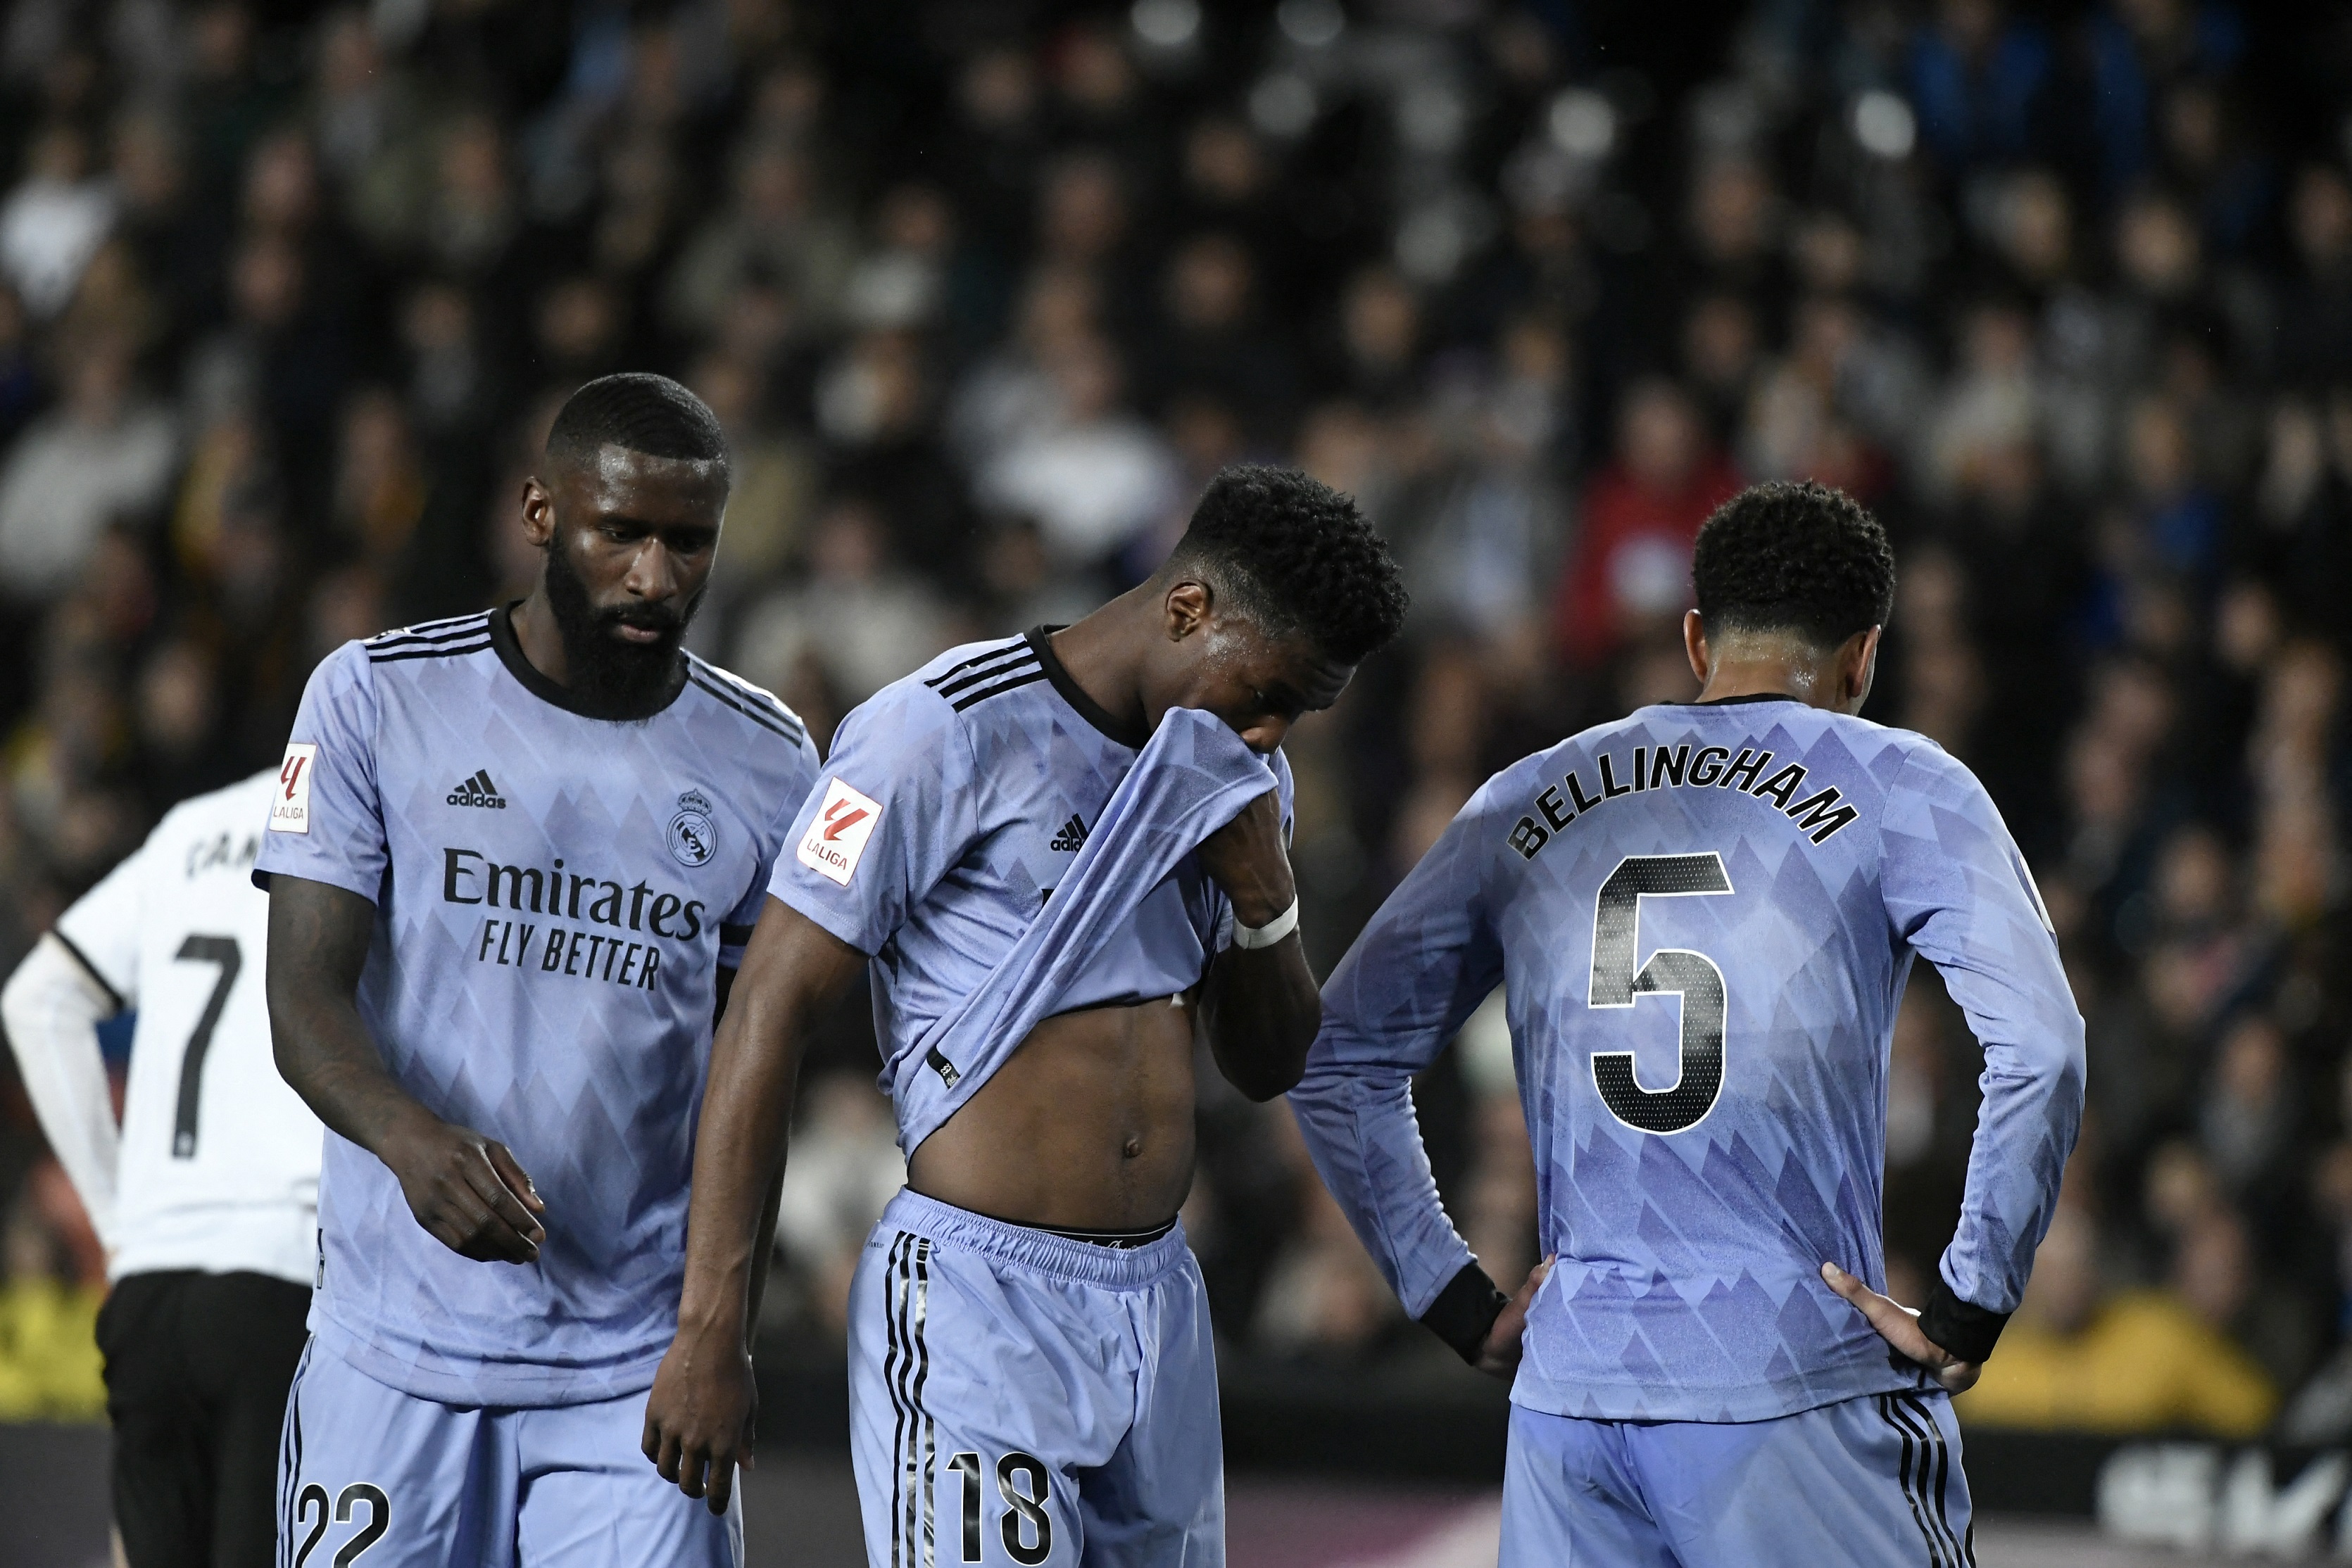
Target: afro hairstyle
point(1794, 557)
point(1295, 558)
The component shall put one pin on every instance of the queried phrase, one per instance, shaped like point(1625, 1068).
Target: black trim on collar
point(1042, 638)
point(510, 654)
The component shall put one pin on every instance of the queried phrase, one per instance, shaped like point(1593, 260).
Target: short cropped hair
point(1295, 558)
point(639, 412)
point(1797, 558)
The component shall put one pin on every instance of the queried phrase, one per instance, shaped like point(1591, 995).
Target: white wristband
point(1272, 932)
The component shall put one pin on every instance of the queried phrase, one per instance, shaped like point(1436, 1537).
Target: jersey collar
point(1041, 638)
point(510, 654)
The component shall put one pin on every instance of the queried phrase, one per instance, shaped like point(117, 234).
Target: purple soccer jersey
point(1703, 918)
point(555, 895)
point(955, 801)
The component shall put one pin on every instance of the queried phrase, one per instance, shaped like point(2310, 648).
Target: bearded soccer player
point(1055, 854)
point(511, 860)
point(1702, 916)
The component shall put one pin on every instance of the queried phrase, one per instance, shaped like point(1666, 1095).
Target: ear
point(1857, 667)
point(1695, 645)
point(1184, 608)
point(538, 513)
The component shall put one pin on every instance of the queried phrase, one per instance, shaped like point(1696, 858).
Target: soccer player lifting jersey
point(512, 857)
point(1051, 850)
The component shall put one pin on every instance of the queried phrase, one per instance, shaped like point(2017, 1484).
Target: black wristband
point(1466, 1311)
point(1958, 1327)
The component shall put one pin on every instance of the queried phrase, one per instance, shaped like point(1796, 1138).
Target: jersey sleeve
point(326, 819)
point(1421, 966)
point(101, 927)
point(1958, 892)
point(890, 813)
point(792, 794)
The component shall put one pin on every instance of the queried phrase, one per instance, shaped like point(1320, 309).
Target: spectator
point(1630, 568)
point(2079, 1357)
point(105, 455)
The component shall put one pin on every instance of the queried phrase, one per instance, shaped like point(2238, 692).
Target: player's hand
point(1499, 1356)
point(1246, 859)
point(1898, 1325)
point(702, 1415)
point(467, 1191)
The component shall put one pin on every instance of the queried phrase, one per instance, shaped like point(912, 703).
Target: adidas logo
point(1072, 837)
point(478, 791)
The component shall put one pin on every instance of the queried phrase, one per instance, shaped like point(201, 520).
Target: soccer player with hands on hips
point(207, 1198)
point(511, 860)
point(1702, 916)
point(1057, 856)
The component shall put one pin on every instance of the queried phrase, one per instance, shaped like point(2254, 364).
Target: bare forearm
point(325, 1055)
point(763, 1260)
point(1263, 1011)
point(319, 939)
point(793, 973)
point(738, 1159)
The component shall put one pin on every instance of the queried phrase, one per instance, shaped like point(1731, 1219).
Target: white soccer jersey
point(219, 1163)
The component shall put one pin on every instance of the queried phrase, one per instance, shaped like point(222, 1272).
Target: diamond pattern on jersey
point(1687, 1285)
point(543, 973)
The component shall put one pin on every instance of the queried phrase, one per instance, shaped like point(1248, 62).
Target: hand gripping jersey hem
point(331, 875)
point(1594, 1401)
point(509, 1383)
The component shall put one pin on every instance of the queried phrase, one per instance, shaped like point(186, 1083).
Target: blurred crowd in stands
point(983, 290)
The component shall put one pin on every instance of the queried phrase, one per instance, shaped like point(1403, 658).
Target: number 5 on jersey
point(1671, 971)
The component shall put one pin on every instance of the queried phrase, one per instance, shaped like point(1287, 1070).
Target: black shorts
point(197, 1366)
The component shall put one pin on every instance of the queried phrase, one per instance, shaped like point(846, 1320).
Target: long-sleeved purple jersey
point(1703, 916)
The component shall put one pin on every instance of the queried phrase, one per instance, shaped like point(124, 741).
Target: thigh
point(366, 1470)
point(1865, 1482)
point(973, 1402)
point(590, 1499)
point(1571, 1500)
point(1160, 1500)
point(244, 1335)
point(161, 1475)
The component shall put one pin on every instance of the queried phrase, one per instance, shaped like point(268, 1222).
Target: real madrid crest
point(693, 836)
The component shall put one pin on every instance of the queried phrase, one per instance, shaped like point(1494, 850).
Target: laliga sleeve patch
point(289, 808)
point(835, 841)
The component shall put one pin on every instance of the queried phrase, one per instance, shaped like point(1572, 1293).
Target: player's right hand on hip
point(701, 1415)
point(467, 1191)
point(1499, 1356)
point(1898, 1325)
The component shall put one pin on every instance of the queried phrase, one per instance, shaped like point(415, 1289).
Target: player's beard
point(608, 673)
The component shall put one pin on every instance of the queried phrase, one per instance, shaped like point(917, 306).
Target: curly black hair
point(1295, 558)
point(640, 412)
point(1800, 558)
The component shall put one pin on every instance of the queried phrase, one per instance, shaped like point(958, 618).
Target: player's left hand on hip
point(1499, 1356)
point(1898, 1325)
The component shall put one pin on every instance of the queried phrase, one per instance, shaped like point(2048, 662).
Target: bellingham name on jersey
point(1820, 815)
point(1702, 918)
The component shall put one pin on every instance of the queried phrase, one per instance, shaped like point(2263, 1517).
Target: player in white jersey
point(207, 1197)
